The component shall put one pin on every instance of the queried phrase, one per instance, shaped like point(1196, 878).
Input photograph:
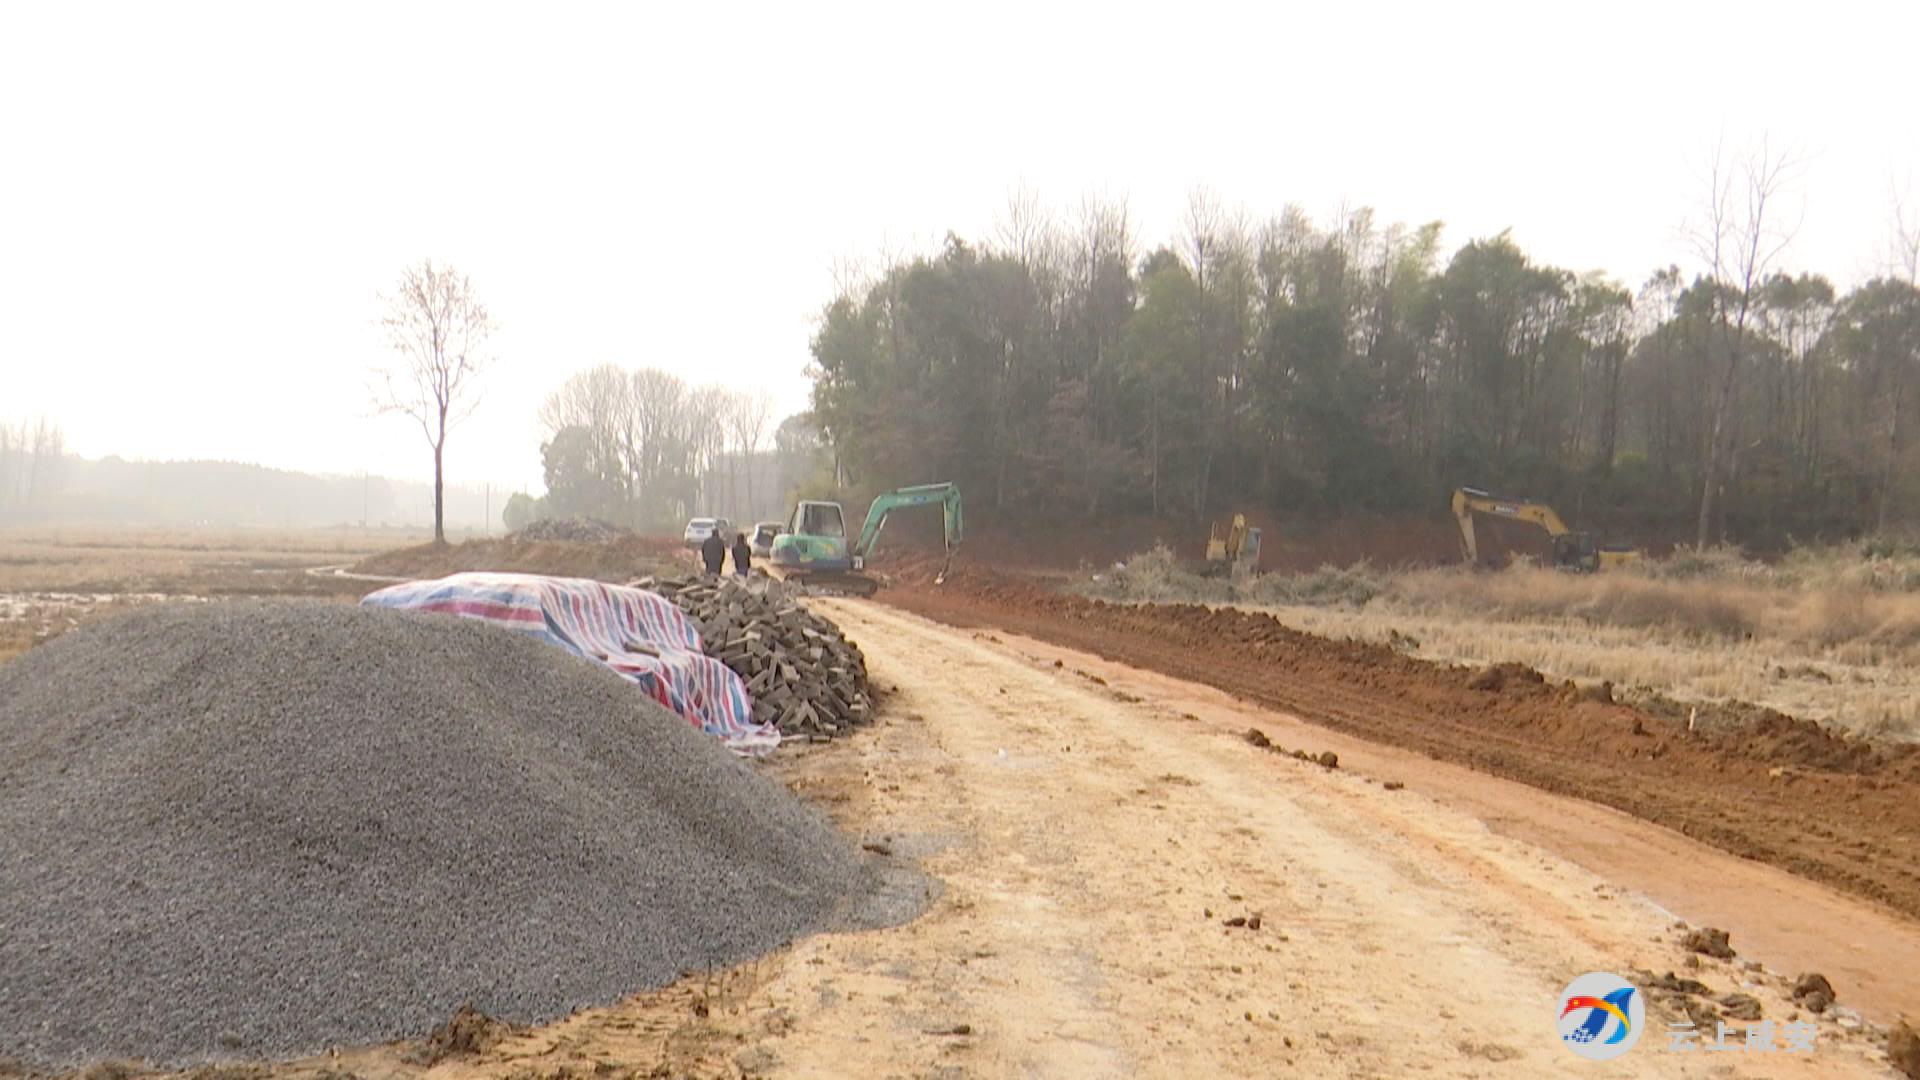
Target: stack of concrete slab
point(804, 676)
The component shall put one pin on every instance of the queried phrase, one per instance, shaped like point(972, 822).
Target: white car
point(763, 534)
point(698, 529)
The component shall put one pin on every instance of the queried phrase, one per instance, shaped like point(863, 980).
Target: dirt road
point(1092, 850)
point(1766, 787)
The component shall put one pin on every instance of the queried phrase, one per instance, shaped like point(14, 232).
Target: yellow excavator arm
point(1468, 502)
point(1226, 540)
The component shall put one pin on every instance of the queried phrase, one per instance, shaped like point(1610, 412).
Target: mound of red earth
point(1772, 787)
point(620, 558)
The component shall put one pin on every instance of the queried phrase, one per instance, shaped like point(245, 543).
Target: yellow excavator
point(1572, 551)
point(1235, 546)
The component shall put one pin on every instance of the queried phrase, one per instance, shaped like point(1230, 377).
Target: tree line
point(645, 449)
point(1064, 369)
point(32, 460)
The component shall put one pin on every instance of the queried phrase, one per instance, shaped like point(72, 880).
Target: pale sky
point(199, 202)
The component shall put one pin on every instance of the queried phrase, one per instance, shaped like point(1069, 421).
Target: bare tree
point(1904, 246)
point(1024, 228)
point(1739, 239)
point(660, 440)
point(748, 419)
point(706, 412)
point(48, 446)
point(439, 328)
point(600, 401)
point(9, 467)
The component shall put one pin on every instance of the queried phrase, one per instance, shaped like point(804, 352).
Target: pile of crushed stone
point(263, 829)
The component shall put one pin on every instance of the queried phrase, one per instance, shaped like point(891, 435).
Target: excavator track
point(830, 582)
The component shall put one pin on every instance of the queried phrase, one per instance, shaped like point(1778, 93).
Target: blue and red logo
point(1601, 1016)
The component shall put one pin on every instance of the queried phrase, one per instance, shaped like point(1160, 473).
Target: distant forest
point(645, 449)
point(1066, 371)
point(40, 483)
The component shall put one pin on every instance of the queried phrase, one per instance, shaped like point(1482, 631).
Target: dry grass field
point(1829, 634)
point(103, 560)
point(53, 577)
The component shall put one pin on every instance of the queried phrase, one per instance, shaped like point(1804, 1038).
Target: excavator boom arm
point(1467, 502)
point(947, 495)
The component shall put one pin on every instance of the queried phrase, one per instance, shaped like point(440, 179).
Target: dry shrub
point(1158, 576)
point(1721, 563)
point(1351, 586)
point(1698, 607)
point(1854, 616)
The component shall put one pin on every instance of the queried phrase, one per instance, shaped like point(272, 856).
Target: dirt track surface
point(1781, 791)
point(1093, 849)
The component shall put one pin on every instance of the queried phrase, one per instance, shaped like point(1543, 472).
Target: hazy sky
point(198, 203)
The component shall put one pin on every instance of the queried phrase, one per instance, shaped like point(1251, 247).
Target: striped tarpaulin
point(642, 636)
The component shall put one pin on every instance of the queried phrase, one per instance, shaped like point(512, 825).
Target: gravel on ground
point(258, 829)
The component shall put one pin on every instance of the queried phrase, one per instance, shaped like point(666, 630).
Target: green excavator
point(814, 549)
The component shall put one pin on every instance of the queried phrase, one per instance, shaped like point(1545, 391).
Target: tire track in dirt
point(1782, 794)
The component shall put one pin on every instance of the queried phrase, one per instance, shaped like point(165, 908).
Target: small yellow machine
point(1235, 545)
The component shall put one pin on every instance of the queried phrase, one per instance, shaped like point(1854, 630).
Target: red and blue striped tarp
point(603, 623)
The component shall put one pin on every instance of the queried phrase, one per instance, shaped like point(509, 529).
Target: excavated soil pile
point(805, 677)
point(1768, 787)
point(262, 829)
point(616, 559)
point(574, 530)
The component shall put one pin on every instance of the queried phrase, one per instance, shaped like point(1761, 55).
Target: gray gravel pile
point(258, 829)
point(803, 674)
point(577, 530)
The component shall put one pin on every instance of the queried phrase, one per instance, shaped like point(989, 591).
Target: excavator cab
point(816, 540)
point(1576, 551)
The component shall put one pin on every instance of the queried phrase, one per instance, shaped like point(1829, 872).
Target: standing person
point(742, 554)
point(714, 551)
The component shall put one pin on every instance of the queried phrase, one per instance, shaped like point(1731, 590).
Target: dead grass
point(1815, 617)
point(52, 579)
point(1829, 634)
point(1877, 695)
point(55, 559)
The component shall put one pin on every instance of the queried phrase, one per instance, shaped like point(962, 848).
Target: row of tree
point(1320, 367)
point(645, 449)
point(31, 460)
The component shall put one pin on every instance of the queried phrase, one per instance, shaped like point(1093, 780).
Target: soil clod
point(1709, 941)
point(1813, 992)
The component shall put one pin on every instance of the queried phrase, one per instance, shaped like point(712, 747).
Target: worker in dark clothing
point(714, 551)
point(742, 554)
